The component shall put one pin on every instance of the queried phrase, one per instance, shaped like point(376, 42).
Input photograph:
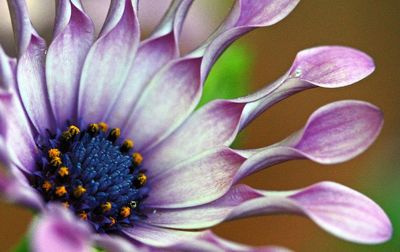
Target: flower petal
point(199, 180)
point(228, 117)
point(31, 71)
point(153, 53)
point(74, 33)
point(344, 212)
point(17, 131)
point(332, 66)
point(108, 62)
point(336, 208)
point(58, 230)
point(13, 184)
point(154, 118)
point(334, 133)
point(176, 240)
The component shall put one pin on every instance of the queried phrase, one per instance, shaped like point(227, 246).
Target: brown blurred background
point(369, 25)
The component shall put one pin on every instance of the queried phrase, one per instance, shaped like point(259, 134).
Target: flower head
point(101, 137)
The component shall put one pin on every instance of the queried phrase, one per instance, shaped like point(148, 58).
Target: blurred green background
point(257, 59)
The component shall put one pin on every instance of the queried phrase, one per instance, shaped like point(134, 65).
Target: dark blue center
point(95, 175)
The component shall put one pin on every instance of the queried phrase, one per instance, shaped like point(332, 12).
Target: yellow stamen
point(73, 130)
point(54, 153)
point(93, 128)
point(103, 126)
point(113, 221)
point(106, 206)
point(65, 204)
point(137, 158)
point(47, 185)
point(114, 134)
point(83, 215)
point(79, 191)
point(60, 191)
point(127, 145)
point(125, 212)
point(63, 171)
point(56, 161)
point(142, 178)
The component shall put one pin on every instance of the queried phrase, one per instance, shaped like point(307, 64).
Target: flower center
point(94, 174)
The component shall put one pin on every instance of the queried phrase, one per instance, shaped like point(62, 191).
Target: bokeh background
point(257, 59)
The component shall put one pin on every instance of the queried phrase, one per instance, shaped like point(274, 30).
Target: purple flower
point(157, 169)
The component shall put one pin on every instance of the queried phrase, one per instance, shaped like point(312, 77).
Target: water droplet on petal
point(298, 72)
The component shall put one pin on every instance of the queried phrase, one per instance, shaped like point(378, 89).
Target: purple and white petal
point(155, 117)
point(13, 185)
point(73, 36)
point(31, 68)
point(334, 207)
point(228, 117)
point(199, 180)
point(17, 132)
point(153, 54)
point(57, 229)
point(108, 62)
point(334, 133)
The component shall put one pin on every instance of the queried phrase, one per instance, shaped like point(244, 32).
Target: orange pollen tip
point(73, 130)
point(128, 144)
point(79, 191)
point(60, 191)
point(63, 171)
point(125, 212)
point(142, 178)
point(106, 206)
point(56, 161)
point(103, 126)
point(116, 132)
point(93, 128)
point(113, 221)
point(83, 215)
point(54, 153)
point(137, 158)
point(47, 186)
point(65, 204)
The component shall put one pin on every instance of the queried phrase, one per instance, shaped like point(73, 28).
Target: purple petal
point(197, 135)
point(74, 33)
point(153, 53)
point(336, 208)
point(332, 66)
point(334, 133)
point(17, 131)
point(214, 124)
point(31, 72)
point(344, 212)
point(339, 131)
point(179, 83)
point(199, 180)
point(13, 184)
point(59, 230)
point(175, 240)
point(108, 62)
